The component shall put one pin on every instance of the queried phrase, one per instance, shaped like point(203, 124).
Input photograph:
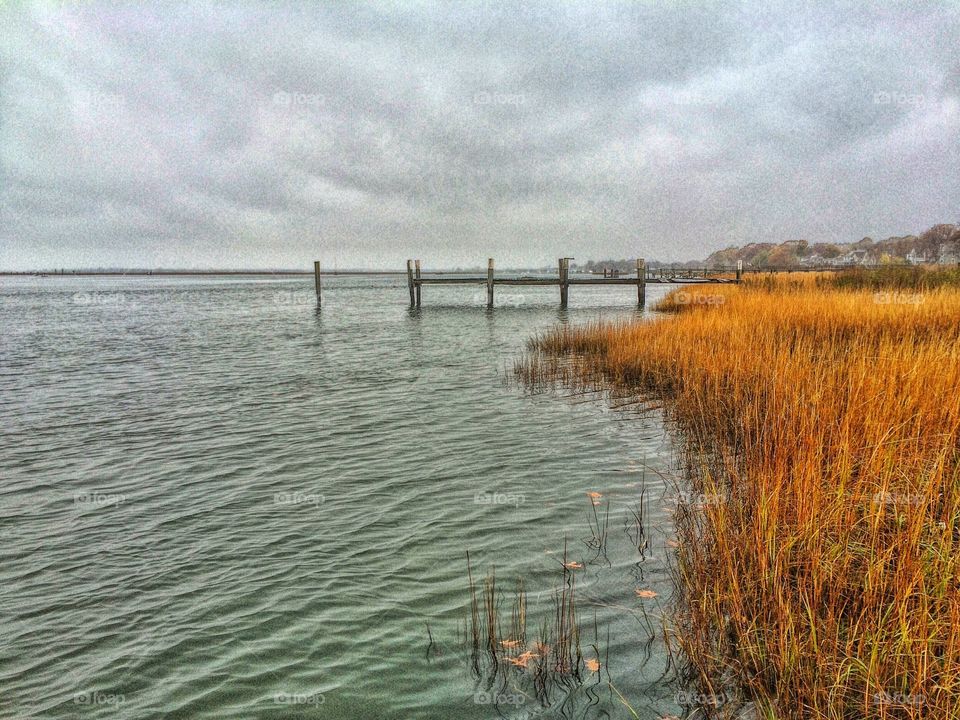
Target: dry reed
point(501, 651)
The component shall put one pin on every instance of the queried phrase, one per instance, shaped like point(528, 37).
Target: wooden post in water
point(489, 282)
point(564, 278)
point(316, 278)
point(641, 282)
point(739, 270)
point(417, 283)
point(410, 282)
point(563, 289)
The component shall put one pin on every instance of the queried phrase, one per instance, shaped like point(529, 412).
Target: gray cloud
point(268, 134)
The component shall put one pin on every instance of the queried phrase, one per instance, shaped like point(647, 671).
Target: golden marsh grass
point(823, 414)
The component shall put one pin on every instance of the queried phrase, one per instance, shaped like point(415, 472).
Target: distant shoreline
point(214, 273)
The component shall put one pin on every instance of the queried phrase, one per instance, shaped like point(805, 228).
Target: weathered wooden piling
point(316, 278)
point(739, 269)
point(641, 282)
point(489, 282)
point(418, 279)
point(410, 282)
point(564, 264)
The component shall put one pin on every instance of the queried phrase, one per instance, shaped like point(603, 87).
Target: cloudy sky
point(267, 134)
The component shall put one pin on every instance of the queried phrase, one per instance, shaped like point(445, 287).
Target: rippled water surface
point(218, 501)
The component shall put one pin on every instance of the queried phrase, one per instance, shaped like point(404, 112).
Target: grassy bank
point(820, 570)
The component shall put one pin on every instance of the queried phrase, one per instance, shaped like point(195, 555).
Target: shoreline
point(825, 509)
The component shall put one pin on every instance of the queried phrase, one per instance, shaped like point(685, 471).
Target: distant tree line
point(940, 244)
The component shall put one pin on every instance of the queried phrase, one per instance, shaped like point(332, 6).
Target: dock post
point(410, 282)
point(563, 294)
point(417, 282)
point(739, 270)
point(489, 282)
point(316, 279)
point(641, 282)
point(564, 286)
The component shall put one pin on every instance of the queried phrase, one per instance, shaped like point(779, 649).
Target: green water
point(220, 502)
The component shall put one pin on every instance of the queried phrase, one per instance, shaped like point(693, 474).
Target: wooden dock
point(644, 276)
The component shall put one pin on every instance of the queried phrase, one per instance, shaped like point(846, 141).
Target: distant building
point(853, 257)
point(949, 254)
point(814, 260)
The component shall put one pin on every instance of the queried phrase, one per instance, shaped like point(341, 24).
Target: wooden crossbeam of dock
point(644, 276)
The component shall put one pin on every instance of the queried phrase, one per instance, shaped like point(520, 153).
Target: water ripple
point(218, 502)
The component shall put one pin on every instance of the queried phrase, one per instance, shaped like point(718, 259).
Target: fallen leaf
point(645, 593)
point(593, 665)
point(573, 565)
point(510, 643)
point(673, 543)
point(523, 660)
point(595, 495)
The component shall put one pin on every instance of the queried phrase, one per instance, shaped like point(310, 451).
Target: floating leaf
point(523, 660)
point(510, 643)
point(573, 565)
point(645, 593)
point(593, 665)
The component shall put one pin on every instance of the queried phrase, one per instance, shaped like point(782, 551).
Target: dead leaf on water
point(572, 565)
point(593, 665)
point(522, 660)
point(645, 593)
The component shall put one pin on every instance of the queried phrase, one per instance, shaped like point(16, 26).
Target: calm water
point(220, 502)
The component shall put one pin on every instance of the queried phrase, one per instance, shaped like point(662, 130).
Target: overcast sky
point(268, 134)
